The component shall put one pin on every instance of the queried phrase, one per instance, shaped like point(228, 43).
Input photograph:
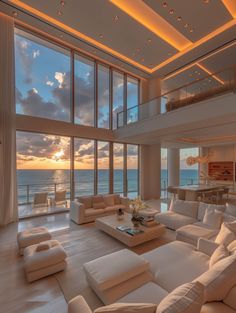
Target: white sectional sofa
point(87, 208)
point(170, 266)
point(189, 220)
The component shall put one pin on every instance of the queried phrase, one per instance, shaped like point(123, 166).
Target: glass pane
point(132, 99)
point(118, 159)
point(188, 174)
point(132, 170)
point(43, 165)
point(42, 78)
point(103, 97)
point(118, 97)
point(84, 91)
point(164, 173)
point(84, 166)
point(103, 167)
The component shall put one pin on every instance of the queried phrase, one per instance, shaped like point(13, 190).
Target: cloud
point(49, 83)
point(35, 54)
point(34, 90)
point(22, 46)
point(60, 77)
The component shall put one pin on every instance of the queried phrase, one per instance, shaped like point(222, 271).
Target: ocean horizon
point(33, 181)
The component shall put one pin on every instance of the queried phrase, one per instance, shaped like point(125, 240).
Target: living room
point(117, 189)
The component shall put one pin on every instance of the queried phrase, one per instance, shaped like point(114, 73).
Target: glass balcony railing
point(201, 89)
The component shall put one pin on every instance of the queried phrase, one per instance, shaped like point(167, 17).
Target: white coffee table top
point(109, 225)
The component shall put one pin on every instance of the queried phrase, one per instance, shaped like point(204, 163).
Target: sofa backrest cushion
point(213, 218)
point(232, 246)
point(230, 299)
point(127, 308)
point(220, 253)
point(219, 279)
point(187, 208)
point(117, 199)
point(86, 200)
point(203, 206)
point(98, 202)
point(230, 209)
point(225, 236)
point(109, 200)
point(187, 298)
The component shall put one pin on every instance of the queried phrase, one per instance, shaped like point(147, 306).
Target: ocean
point(33, 181)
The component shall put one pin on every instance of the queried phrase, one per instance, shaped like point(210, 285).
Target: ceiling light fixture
point(186, 25)
point(62, 3)
point(164, 4)
point(59, 12)
point(14, 13)
point(149, 40)
point(61, 35)
point(171, 11)
point(101, 36)
point(191, 30)
point(179, 18)
point(116, 18)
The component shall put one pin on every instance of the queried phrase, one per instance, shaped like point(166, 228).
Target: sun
point(57, 156)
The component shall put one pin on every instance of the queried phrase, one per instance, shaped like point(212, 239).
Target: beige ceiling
point(118, 32)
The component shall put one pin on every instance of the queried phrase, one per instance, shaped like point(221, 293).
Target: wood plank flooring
point(82, 243)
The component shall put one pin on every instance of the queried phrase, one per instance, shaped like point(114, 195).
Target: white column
point(150, 171)
point(173, 163)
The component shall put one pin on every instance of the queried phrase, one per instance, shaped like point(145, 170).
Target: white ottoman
point(32, 236)
point(115, 275)
point(191, 233)
point(43, 259)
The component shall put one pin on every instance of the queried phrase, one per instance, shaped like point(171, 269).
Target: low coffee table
point(109, 224)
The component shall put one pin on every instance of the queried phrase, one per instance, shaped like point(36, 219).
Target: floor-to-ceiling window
point(84, 174)
point(118, 168)
point(103, 167)
point(132, 99)
point(117, 98)
point(132, 171)
point(103, 97)
point(84, 89)
point(188, 174)
point(43, 165)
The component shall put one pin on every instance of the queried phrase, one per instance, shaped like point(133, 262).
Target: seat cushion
point(117, 199)
point(93, 212)
point(115, 268)
point(219, 279)
point(187, 208)
point(149, 293)
point(174, 220)
point(109, 200)
point(230, 299)
point(87, 201)
point(170, 261)
point(191, 233)
point(36, 260)
point(32, 236)
point(216, 307)
point(187, 298)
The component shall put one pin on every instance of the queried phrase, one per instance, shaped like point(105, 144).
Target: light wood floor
point(45, 295)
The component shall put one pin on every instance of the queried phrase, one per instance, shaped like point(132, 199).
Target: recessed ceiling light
point(171, 11)
point(59, 12)
point(191, 30)
point(61, 35)
point(142, 59)
point(14, 13)
point(186, 25)
point(179, 18)
point(62, 3)
point(164, 4)
point(116, 18)
point(149, 40)
point(100, 36)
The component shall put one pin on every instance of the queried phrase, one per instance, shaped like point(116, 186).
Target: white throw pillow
point(232, 246)
point(230, 209)
point(219, 279)
point(213, 218)
point(187, 208)
point(225, 236)
point(220, 253)
point(203, 206)
point(232, 226)
point(128, 308)
point(187, 298)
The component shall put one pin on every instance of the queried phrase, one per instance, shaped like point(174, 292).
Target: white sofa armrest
point(125, 201)
point(78, 305)
point(206, 246)
point(77, 211)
